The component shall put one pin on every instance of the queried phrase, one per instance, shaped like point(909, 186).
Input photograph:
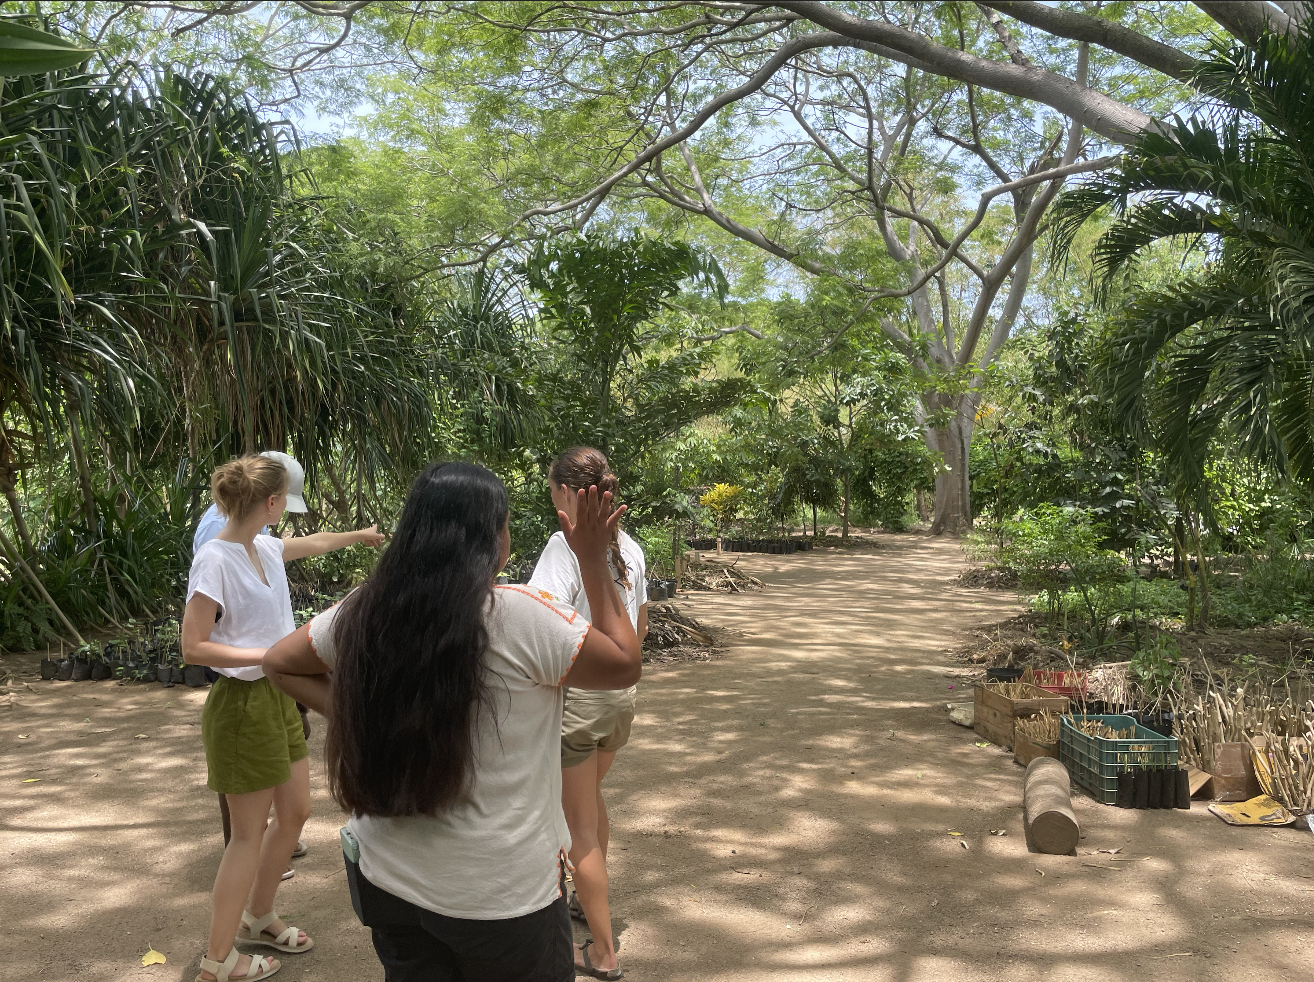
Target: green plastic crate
point(1095, 762)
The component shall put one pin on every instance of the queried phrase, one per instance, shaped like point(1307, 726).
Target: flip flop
point(597, 973)
point(300, 850)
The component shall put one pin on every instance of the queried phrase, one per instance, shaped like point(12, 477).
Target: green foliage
point(168, 293)
point(658, 550)
point(599, 292)
point(25, 50)
point(1223, 351)
point(1155, 666)
point(1058, 552)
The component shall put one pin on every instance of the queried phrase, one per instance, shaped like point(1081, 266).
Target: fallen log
point(1051, 824)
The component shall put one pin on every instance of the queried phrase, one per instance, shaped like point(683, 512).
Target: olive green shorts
point(252, 735)
point(595, 721)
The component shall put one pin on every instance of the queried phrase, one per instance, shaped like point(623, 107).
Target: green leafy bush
point(1058, 552)
point(1155, 667)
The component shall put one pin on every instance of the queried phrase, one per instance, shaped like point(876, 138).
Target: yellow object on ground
point(1262, 810)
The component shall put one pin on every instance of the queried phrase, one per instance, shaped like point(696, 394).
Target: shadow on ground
point(782, 813)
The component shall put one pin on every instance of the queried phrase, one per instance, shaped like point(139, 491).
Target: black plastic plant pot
point(164, 674)
point(65, 670)
point(1004, 674)
point(146, 673)
point(1183, 783)
point(49, 669)
point(1156, 789)
point(1141, 788)
point(1168, 795)
point(81, 669)
point(178, 675)
point(194, 676)
point(1126, 791)
point(100, 671)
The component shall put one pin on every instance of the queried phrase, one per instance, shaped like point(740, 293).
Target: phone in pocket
point(350, 845)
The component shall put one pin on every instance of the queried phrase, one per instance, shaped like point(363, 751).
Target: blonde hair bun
point(239, 485)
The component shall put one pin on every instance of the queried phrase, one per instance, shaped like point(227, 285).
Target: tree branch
point(1095, 30)
point(1094, 110)
point(1248, 20)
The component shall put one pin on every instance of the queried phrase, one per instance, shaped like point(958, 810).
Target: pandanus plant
point(169, 290)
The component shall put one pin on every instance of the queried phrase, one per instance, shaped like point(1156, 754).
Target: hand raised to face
point(590, 533)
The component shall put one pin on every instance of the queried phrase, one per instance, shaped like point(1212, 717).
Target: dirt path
point(781, 814)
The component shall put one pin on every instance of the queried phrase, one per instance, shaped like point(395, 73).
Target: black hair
point(409, 680)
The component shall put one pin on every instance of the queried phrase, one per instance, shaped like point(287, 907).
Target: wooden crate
point(1025, 750)
point(994, 712)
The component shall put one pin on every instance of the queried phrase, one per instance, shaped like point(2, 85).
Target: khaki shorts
point(595, 721)
point(252, 735)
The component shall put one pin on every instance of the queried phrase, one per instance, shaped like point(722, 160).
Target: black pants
point(417, 945)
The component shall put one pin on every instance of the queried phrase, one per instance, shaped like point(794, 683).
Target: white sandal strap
point(289, 937)
point(222, 970)
point(257, 925)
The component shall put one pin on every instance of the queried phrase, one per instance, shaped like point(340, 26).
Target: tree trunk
point(814, 519)
point(20, 526)
point(9, 486)
point(844, 510)
point(953, 498)
point(12, 553)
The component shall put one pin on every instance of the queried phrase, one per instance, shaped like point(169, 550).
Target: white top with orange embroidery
point(498, 852)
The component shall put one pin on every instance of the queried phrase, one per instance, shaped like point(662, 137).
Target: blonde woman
point(595, 725)
point(238, 605)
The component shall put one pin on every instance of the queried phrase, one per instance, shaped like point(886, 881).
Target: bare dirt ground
point(782, 813)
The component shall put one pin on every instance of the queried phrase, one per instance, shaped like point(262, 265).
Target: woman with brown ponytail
point(238, 605)
point(595, 724)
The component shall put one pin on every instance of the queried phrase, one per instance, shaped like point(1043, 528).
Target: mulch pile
point(674, 636)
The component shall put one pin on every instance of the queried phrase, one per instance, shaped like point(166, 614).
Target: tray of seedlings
point(1121, 762)
point(1035, 736)
point(997, 705)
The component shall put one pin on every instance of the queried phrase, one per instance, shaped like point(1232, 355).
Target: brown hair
point(580, 468)
point(238, 485)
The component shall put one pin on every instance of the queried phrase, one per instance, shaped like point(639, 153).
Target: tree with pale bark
point(815, 133)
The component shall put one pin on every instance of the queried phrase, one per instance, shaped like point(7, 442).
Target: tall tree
point(845, 117)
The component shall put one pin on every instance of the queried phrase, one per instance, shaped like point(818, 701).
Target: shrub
point(1058, 552)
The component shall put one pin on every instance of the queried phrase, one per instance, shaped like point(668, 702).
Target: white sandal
point(261, 968)
point(253, 931)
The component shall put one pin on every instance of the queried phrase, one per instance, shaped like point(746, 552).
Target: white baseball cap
point(296, 479)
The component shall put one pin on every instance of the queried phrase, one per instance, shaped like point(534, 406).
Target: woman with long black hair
point(444, 719)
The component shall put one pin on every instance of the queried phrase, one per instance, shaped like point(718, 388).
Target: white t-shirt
point(210, 525)
point(497, 852)
point(558, 573)
point(253, 615)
